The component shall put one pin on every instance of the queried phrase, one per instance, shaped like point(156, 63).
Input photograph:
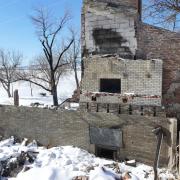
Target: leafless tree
point(50, 32)
point(165, 13)
point(39, 73)
point(9, 63)
point(74, 57)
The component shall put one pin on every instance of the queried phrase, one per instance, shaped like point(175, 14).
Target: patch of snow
point(67, 162)
point(45, 173)
point(101, 173)
point(65, 90)
point(72, 106)
point(129, 93)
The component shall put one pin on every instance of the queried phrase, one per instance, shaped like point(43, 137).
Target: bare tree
point(9, 63)
point(39, 73)
point(50, 32)
point(165, 13)
point(74, 57)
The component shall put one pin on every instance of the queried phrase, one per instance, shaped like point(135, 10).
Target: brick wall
point(156, 42)
point(138, 140)
point(46, 126)
point(51, 127)
point(141, 77)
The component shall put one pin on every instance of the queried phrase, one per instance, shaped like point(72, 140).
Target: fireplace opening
point(106, 153)
point(110, 85)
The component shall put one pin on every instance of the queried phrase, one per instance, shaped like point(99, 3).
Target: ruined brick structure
point(109, 33)
point(129, 69)
point(115, 27)
point(125, 64)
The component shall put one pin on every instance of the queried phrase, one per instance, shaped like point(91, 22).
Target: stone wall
point(51, 127)
point(138, 77)
point(154, 42)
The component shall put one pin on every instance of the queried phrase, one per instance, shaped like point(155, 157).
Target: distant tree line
point(9, 62)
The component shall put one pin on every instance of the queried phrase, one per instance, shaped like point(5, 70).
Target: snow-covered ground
point(67, 162)
point(66, 88)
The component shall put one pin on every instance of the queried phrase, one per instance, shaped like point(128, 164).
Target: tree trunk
point(54, 89)
point(76, 78)
point(54, 94)
point(9, 90)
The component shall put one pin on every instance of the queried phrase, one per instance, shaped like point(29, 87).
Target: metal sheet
point(106, 137)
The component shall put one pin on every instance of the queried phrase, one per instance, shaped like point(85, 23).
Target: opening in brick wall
point(110, 85)
point(105, 153)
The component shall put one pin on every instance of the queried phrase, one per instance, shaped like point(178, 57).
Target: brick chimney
point(137, 4)
point(132, 3)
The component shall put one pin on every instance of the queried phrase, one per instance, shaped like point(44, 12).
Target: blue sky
point(16, 29)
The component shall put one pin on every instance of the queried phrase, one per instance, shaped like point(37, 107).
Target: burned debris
point(11, 166)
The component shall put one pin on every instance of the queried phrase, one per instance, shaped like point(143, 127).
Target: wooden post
point(159, 133)
point(31, 89)
point(12, 90)
point(16, 98)
point(173, 147)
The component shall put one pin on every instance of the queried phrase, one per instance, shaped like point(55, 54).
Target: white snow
point(45, 173)
point(66, 88)
point(101, 173)
point(67, 162)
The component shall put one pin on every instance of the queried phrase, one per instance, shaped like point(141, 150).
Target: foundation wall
point(53, 128)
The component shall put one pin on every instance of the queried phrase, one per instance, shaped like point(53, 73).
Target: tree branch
point(62, 53)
